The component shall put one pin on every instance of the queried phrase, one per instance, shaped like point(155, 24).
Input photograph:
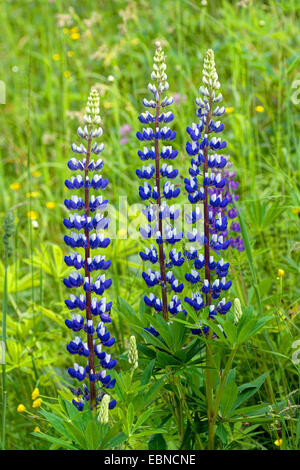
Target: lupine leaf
point(92, 435)
point(76, 434)
point(229, 396)
point(55, 440)
point(146, 376)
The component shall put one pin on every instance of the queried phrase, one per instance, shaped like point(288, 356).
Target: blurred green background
point(52, 52)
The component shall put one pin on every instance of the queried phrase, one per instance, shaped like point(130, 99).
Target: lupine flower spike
point(87, 227)
point(160, 216)
point(232, 232)
point(207, 165)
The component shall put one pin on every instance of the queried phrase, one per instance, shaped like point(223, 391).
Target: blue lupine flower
point(222, 202)
point(160, 216)
point(208, 189)
point(89, 217)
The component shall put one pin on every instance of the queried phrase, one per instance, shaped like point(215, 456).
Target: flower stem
point(209, 354)
point(161, 246)
point(215, 407)
point(87, 274)
point(4, 393)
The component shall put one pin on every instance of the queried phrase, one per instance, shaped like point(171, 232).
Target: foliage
point(52, 53)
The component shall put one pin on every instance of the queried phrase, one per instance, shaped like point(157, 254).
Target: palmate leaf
point(111, 437)
point(77, 435)
point(116, 441)
point(23, 282)
point(157, 442)
point(92, 434)
point(142, 418)
point(56, 422)
point(56, 317)
point(162, 327)
point(129, 314)
point(130, 417)
point(143, 399)
point(54, 440)
point(228, 399)
point(247, 390)
point(146, 376)
point(252, 327)
point(50, 259)
point(165, 359)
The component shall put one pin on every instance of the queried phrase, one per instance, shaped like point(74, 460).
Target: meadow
point(52, 53)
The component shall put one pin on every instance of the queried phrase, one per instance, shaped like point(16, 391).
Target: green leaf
point(162, 327)
point(178, 332)
point(229, 395)
point(76, 434)
point(222, 433)
point(146, 376)
point(142, 418)
point(54, 440)
point(92, 435)
point(157, 442)
point(153, 391)
point(117, 440)
point(130, 417)
point(56, 422)
point(247, 390)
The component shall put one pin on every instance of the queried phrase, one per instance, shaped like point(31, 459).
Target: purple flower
point(95, 340)
point(125, 129)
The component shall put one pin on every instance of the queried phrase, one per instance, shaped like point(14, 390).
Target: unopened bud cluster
point(103, 412)
point(237, 310)
point(133, 353)
point(92, 109)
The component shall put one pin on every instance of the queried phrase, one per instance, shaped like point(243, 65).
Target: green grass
point(256, 49)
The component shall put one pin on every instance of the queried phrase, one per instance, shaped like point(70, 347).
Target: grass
point(48, 71)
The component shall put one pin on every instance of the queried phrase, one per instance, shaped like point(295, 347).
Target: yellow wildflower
point(278, 442)
point(35, 394)
point(15, 186)
point(75, 29)
point(75, 36)
point(280, 272)
point(70, 53)
point(295, 210)
point(33, 194)
point(32, 215)
point(229, 110)
point(67, 74)
point(259, 109)
point(50, 205)
point(21, 408)
point(122, 232)
point(36, 174)
point(37, 403)
point(56, 57)
point(107, 104)
point(36, 429)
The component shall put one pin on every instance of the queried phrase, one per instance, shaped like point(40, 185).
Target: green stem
point(4, 393)
point(188, 414)
point(209, 394)
point(215, 407)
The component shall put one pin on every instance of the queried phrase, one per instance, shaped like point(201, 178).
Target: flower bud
point(103, 412)
point(133, 353)
point(237, 310)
